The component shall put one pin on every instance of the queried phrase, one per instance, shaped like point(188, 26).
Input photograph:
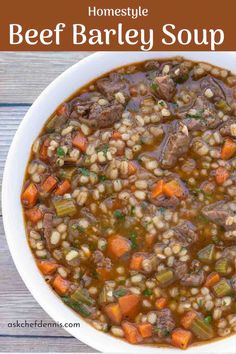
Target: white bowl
point(58, 91)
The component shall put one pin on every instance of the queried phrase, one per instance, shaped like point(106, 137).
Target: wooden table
point(23, 76)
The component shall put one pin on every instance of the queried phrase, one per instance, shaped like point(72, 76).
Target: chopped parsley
point(119, 215)
point(102, 178)
point(84, 171)
point(78, 228)
point(104, 148)
point(154, 86)
point(143, 205)
point(44, 257)
point(147, 292)
point(208, 319)
point(215, 239)
point(162, 332)
point(133, 239)
point(166, 333)
point(197, 115)
point(199, 302)
point(162, 210)
point(60, 152)
point(132, 209)
point(95, 274)
point(120, 292)
point(197, 191)
point(161, 103)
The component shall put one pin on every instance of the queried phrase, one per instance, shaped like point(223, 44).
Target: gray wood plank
point(10, 118)
point(27, 344)
point(25, 74)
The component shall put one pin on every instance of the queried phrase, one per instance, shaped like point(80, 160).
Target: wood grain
point(22, 77)
point(10, 118)
point(39, 344)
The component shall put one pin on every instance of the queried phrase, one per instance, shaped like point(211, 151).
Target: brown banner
point(79, 25)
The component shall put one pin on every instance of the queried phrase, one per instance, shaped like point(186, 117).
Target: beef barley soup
point(130, 202)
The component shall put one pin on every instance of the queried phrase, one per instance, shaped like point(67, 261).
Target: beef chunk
point(67, 140)
point(230, 253)
point(87, 110)
point(142, 173)
point(80, 110)
point(86, 280)
point(233, 282)
point(152, 65)
point(59, 122)
point(47, 227)
point(47, 221)
point(164, 87)
point(98, 257)
point(100, 261)
point(80, 106)
point(221, 213)
point(165, 323)
point(180, 73)
point(85, 212)
point(110, 86)
point(165, 202)
point(174, 145)
point(201, 116)
point(208, 187)
point(227, 128)
point(103, 116)
point(186, 233)
point(209, 82)
point(193, 279)
point(181, 269)
point(195, 265)
point(86, 98)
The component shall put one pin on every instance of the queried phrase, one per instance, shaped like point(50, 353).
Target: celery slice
point(207, 254)
point(67, 172)
point(82, 296)
point(222, 266)
point(82, 309)
point(64, 207)
point(165, 277)
point(201, 329)
point(51, 122)
point(222, 288)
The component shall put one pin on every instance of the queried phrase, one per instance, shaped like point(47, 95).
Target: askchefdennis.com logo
point(41, 324)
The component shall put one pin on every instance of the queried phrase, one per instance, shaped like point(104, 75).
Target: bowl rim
point(58, 90)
